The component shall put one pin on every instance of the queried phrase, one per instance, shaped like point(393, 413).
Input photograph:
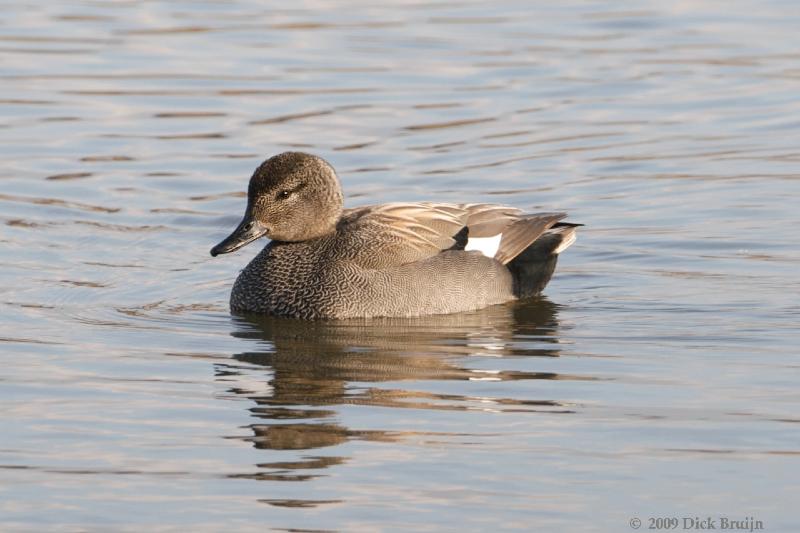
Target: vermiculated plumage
point(399, 259)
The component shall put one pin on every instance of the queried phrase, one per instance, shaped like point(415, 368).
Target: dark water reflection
point(324, 364)
point(314, 368)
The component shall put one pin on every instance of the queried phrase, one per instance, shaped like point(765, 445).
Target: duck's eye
point(286, 193)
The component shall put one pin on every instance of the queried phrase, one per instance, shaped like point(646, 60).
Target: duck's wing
point(393, 234)
point(504, 232)
point(386, 235)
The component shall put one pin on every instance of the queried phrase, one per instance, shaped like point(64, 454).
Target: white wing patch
point(486, 245)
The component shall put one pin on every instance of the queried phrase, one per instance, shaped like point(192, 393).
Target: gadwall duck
point(390, 260)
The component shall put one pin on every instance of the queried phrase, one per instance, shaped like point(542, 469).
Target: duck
point(399, 259)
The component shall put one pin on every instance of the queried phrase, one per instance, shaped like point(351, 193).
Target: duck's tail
point(533, 268)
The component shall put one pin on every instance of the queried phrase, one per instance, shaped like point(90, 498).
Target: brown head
point(292, 197)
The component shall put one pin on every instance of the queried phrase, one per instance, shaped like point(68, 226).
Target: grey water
point(655, 378)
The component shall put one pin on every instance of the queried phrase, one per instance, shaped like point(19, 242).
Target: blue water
point(656, 377)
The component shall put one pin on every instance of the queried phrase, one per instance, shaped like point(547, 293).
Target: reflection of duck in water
point(326, 363)
point(400, 260)
point(382, 349)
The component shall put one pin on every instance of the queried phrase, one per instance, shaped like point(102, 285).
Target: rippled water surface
point(657, 376)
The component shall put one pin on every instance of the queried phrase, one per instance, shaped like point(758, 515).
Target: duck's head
point(292, 197)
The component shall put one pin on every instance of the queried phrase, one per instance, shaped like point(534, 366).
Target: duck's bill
point(248, 231)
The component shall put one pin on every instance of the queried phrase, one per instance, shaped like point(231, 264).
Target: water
point(656, 377)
